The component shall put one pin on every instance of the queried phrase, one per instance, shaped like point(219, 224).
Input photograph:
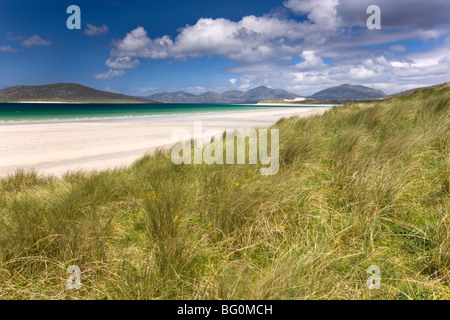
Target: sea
point(19, 112)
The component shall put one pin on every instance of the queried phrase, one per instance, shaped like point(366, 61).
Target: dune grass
point(360, 185)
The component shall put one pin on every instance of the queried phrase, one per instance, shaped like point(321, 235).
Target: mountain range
point(233, 96)
point(76, 93)
point(343, 92)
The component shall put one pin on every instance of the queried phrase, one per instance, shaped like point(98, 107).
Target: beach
point(57, 146)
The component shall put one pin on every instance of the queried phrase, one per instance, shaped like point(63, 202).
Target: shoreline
point(55, 147)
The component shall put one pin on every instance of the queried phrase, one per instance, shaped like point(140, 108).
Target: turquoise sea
point(58, 111)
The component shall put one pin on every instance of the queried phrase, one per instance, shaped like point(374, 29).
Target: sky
point(142, 47)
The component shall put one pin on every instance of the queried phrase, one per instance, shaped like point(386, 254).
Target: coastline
point(55, 147)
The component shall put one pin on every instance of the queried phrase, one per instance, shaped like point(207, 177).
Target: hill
point(348, 92)
point(233, 96)
point(65, 92)
point(408, 92)
point(361, 185)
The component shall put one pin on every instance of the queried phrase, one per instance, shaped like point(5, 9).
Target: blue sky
point(143, 47)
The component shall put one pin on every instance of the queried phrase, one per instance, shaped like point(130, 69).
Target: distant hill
point(65, 92)
point(348, 92)
point(233, 96)
point(411, 91)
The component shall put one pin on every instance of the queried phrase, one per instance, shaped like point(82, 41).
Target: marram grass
point(361, 185)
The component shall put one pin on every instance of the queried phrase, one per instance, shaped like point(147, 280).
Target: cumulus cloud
point(251, 39)
point(35, 40)
point(95, 31)
point(311, 61)
point(111, 74)
point(137, 44)
point(361, 73)
point(7, 49)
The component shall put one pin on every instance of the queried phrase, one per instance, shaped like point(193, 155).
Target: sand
point(55, 147)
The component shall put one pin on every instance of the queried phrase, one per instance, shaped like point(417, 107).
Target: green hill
point(64, 92)
point(361, 185)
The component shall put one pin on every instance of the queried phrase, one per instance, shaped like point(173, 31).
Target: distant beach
point(105, 139)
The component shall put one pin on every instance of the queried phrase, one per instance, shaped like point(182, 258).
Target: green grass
point(361, 185)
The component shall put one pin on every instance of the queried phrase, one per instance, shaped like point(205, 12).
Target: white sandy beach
point(54, 147)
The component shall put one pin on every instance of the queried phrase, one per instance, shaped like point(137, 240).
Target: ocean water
point(11, 112)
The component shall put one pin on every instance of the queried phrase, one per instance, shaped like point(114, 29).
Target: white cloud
point(95, 31)
point(35, 40)
point(111, 74)
point(251, 39)
point(122, 63)
point(321, 12)
point(400, 64)
point(361, 73)
point(311, 61)
point(232, 81)
point(137, 44)
point(7, 49)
